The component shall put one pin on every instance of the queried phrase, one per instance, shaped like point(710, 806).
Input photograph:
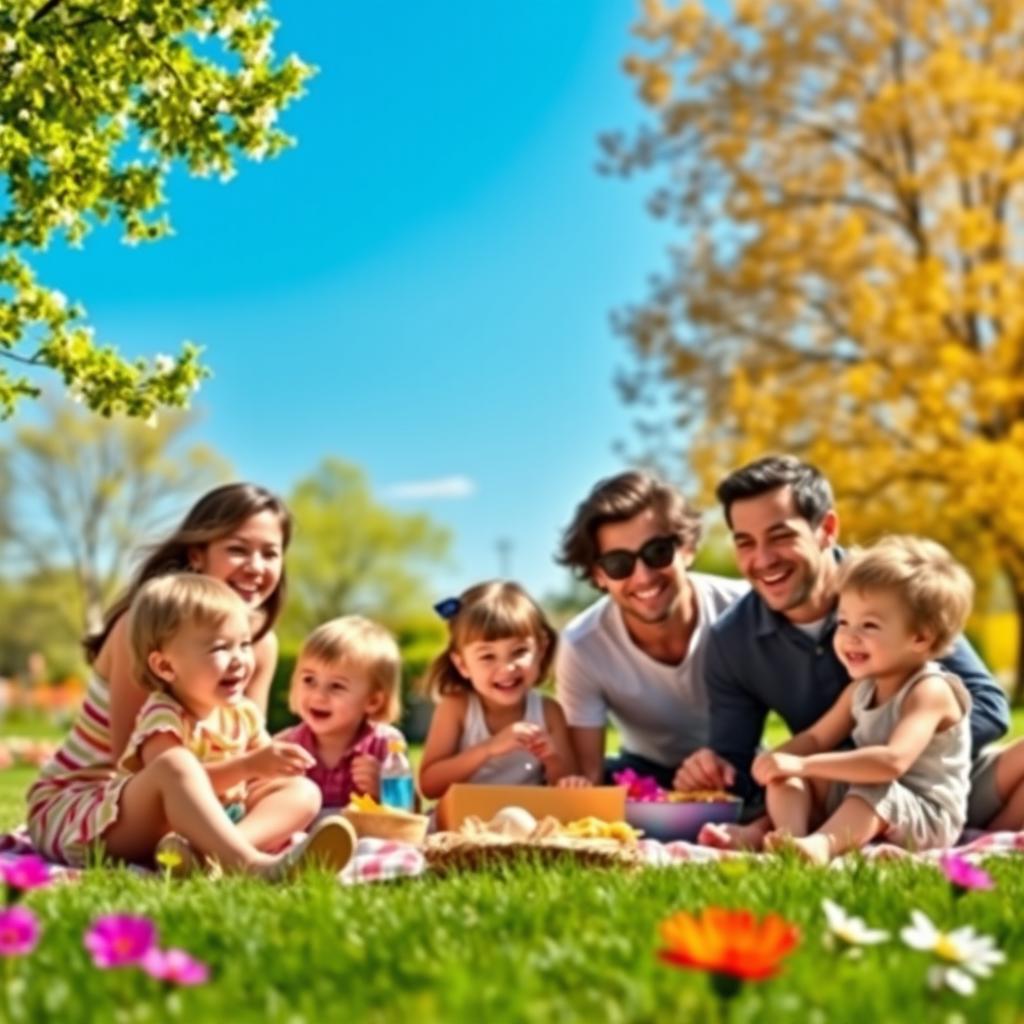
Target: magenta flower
point(25, 873)
point(638, 787)
point(964, 875)
point(119, 940)
point(174, 966)
point(19, 931)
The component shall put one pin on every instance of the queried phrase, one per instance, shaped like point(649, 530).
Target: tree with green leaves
point(353, 555)
point(99, 101)
point(38, 615)
point(82, 493)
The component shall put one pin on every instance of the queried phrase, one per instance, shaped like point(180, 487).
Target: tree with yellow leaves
point(847, 181)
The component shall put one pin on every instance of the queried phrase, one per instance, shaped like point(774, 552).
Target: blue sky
point(423, 285)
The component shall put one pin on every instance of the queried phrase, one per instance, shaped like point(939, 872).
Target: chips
point(595, 828)
point(701, 796)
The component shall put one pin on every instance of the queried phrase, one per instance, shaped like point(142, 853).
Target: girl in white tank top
point(491, 726)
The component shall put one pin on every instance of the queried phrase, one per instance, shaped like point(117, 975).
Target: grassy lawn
point(524, 944)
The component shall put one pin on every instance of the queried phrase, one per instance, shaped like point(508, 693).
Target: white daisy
point(967, 955)
point(850, 931)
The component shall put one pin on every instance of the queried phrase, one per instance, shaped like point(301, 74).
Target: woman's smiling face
point(249, 559)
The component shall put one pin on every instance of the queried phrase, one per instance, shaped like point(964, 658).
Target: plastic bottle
point(396, 788)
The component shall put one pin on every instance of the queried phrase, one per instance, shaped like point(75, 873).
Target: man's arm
point(990, 710)
point(737, 717)
point(588, 745)
point(586, 713)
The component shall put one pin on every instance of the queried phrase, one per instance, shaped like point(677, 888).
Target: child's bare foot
point(733, 837)
point(815, 849)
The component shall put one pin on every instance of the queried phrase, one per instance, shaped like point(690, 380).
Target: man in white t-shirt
point(637, 654)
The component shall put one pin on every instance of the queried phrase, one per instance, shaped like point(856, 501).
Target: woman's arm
point(442, 764)
point(258, 690)
point(116, 665)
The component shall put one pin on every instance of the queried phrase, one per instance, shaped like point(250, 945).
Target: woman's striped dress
point(76, 797)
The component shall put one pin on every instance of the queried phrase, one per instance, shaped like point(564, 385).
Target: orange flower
point(728, 942)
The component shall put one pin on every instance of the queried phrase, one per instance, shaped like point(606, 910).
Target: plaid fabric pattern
point(379, 860)
point(375, 860)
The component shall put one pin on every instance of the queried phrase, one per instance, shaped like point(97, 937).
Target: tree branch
point(44, 10)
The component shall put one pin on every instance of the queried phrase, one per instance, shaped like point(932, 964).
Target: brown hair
point(495, 610)
point(213, 516)
point(366, 644)
point(164, 604)
point(812, 494)
point(616, 499)
point(933, 587)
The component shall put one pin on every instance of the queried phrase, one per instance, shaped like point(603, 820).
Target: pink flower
point(964, 875)
point(19, 931)
point(174, 966)
point(25, 873)
point(118, 940)
point(638, 787)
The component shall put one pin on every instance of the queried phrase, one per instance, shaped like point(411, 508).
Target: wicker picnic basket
point(400, 826)
point(475, 846)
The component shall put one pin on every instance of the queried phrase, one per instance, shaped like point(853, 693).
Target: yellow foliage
point(864, 302)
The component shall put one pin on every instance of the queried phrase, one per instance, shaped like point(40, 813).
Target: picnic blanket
point(375, 860)
point(378, 860)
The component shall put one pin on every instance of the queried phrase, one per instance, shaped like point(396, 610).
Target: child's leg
point(277, 808)
point(853, 825)
point(1010, 787)
point(173, 792)
point(793, 805)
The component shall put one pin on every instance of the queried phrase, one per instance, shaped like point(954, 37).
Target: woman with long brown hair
point(237, 534)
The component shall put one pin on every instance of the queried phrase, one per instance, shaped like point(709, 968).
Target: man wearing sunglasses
point(637, 654)
point(773, 650)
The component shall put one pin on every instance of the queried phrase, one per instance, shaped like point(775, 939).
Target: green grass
point(523, 944)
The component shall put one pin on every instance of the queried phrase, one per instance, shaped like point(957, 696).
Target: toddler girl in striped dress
point(191, 640)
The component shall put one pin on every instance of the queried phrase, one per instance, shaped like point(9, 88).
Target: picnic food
point(595, 828)
point(375, 821)
point(645, 789)
point(478, 843)
point(365, 803)
point(513, 821)
point(701, 796)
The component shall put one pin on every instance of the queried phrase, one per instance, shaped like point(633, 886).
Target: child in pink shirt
point(345, 688)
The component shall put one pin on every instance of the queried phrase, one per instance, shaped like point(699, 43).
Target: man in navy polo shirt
point(772, 651)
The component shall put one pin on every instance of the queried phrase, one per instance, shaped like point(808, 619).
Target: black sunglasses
point(657, 553)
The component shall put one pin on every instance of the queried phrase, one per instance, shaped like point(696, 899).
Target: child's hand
point(517, 736)
point(540, 745)
point(366, 775)
point(776, 766)
point(279, 757)
point(573, 782)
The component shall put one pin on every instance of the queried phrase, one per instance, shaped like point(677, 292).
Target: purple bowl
point(667, 821)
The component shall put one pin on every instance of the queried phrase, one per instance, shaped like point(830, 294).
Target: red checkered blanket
point(378, 860)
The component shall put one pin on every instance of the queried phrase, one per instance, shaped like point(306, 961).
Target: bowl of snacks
point(376, 821)
point(666, 815)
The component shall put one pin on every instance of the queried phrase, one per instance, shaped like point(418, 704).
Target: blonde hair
point(495, 610)
point(933, 587)
point(369, 646)
point(163, 605)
